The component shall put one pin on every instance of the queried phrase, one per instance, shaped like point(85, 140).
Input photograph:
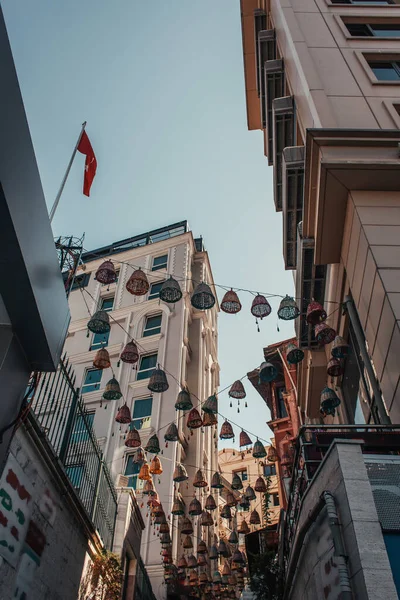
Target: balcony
point(293, 195)
point(284, 122)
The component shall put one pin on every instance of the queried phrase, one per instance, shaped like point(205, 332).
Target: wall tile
point(383, 235)
point(359, 267)
point(375, 310)
point(386, 256)
point(390, 376)
point(366, 288)
point(390, 279)
point(383, 338)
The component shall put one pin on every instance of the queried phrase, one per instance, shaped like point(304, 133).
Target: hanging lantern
point(334, 368)
point(231, 303)
point(182, 564)
point(158, 381)
point(259, 450)
point(211, 405)
point(233, 538)
point(272, 455)
point(213, 553)
point(187, 526)
point(130, 353)
point(329, 402)
point(244, 502)
point(199, 480)
point(138, 456)
point(193, 579)
point(315, 313)
point(170, 291)
point(210, 503)
point(222, 548)
point(164, 527)
point(268, 372)
point(238, 556)
point(124, 415)
point(156, 466)
point(255, 518)
point(178, 508)
point(237, 483)
point(206, 519)
point(249, 493)
point(169, 574)
point(132, 439)
point(260, 307)
point(209, 419)
point(106, 274)
point(244, 439)
point(216, 482)
point(183, 401)
point(187, 542)
point(324, 334)
point(202, 547)
point(191, 561)
point(153, 445)
point(99, 322)
point(112, 390)
point(226, 570)
point(203, 579)
point(180, 474)
point(217, 577)
point(294, 355)
point(194, 420)
point(144, 473)
point(288, 309)
point(202, 297)
point(172, 434)
point(237, 390)
point(226, 512)
point(148, 489)
point(157, 509)
point(243, 527)
point(102, 359)
point(195, 508)
point(232, 580)
point(138, 284)
point(340, 348)
point(226, 431)
point(260, 486)
point(231, 500)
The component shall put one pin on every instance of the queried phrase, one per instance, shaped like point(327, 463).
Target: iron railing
point(143, 589)
point(67, 424)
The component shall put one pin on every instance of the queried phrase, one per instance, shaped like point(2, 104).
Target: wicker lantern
point(203, 579)
point(195, 508)
point(202, 297)
point(132, 440)
point(249, 492)
point(226, 570)
point(216, 482)
point(231, 500)
point(153, 445)
point(194, 420)
point(183, 401)
point(144, 473)
point(180, 474)
point(334, 368)
point(272, 455)
point(164, 527)
point(231, 303)
point(294, 355)
point(156, 466)
point(243, 527)
point(130, 353)
point(217, 577)
point(222, 548)
point(213, 552)
point(112, 390)
point(233, 538)
point(209, 419)
point(211, 405)
point(260, 485)
point(206, 519)
point(123, 415)
point(170, 291)
point(148, 489)
point(232, 580)
point(202, 547)
point(182, 563)
point(193, 578)
point(340, 348)
point(106, 274)
point(255, 518)
point(324, 334)
point(226, 512)
point(187, 526)
point(237, 483)
point(172, 434)
point(238, 556)
point(187, 542)
point(315, 313)
point(158, 381)
point(157, 509)
point(138, 284)
point(226, 432)
point(138, 456)
point(237, 390)
point(288, 309)
point(102, 359)
point(260, 307)
point(259, 450)
point(210, 503)
point(191, 561)
point(244, 502)
point(329, 402)
point(199, 480)
point(178, 508)
point(244, 439)
point(99, 322)
point(268, 372)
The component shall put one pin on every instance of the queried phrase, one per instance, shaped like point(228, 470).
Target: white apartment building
point(181, 339)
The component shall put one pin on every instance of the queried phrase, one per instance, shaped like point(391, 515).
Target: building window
point(374, 30)
point(269, 470)
point(132, 471)
point(275, 499)
point(147, 365)
point(99, 340)
point(280, 402)
point(242, 474)
point(80, 281)
point(160, 262)
point(141, 417)
point(367, 2)
point(386, 70)
point(92, 379)
point(75, 475)
point(155, 290)
point(152, 326)
point(83, 424)
point(107, 304)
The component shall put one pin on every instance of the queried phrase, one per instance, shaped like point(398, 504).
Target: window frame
point(363, 3)
point(139, 422)
point(80, 281)
point(161, 265)
point(150, 297)
point(133, 479)
point(149, 370)
point(101, 344)
point(105, 298)
point(271, 467)
point(373, 33)
point(82, 434)
point(240, 473)
point(87, 370)
point(395, 64)
point(146, 331)
point(81, 472)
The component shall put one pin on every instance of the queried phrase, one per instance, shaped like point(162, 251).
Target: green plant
point(265, 503)
point(265, 581)
point(103, 578)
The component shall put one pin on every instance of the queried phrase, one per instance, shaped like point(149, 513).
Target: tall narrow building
point(175, 337)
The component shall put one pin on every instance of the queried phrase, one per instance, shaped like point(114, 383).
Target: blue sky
point(161, 86)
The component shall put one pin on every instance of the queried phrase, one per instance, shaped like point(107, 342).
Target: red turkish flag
point(85, 147)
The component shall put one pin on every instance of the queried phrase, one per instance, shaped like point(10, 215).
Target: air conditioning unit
point(122, 481)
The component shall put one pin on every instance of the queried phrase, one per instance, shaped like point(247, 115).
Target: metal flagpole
point(60, 191)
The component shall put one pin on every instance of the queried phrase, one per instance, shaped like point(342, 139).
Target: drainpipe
point(326, 499)
point(384, 417)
